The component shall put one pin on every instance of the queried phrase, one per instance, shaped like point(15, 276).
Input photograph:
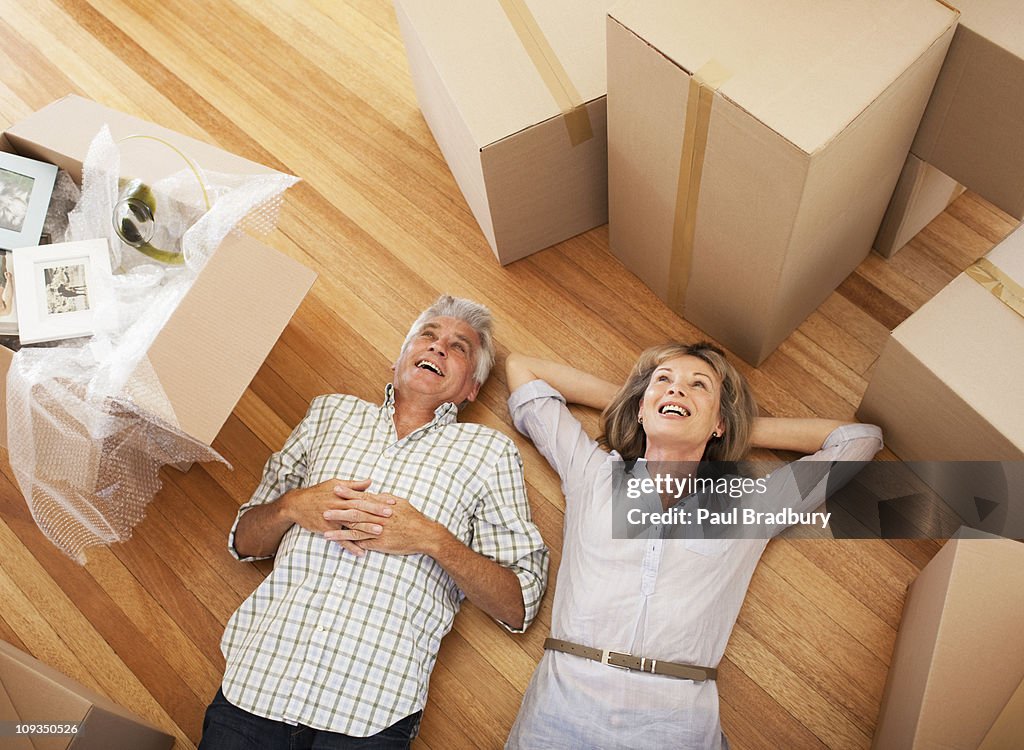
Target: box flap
point(976, 343)
point(46, 135)
point(218, 337)
point(786, 61)
point(489, 74)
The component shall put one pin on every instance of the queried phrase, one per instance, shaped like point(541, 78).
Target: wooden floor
point(320, 88)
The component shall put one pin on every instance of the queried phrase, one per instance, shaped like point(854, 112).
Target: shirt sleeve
point(503, 531)
point(539, 412)
point(284, 471)
point(806, 483)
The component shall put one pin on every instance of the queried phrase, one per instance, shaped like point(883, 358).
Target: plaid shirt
point(347, 644)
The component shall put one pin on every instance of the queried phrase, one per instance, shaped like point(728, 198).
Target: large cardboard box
point(972, 127)
point(32, 692)
point(514, 93)
point(209, 350)
point(959, 655)
point(922, 193)
point(947, 386)
point(753, 148)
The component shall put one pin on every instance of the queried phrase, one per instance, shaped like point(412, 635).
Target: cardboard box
point(215, 341)
point(946, 386)
point(514, 93)
point(947, 389)
point(750, 171)
point(959, 655)
point(922, 193)
point(972, 127)
point(32, 692)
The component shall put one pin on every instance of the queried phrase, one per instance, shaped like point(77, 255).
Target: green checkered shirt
point(338, 642)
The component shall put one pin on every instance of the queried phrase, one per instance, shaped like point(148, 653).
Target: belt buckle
point(605, 653)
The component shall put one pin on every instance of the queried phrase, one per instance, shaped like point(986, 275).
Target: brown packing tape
point(568, 99)
point(703, 85)
point(990, 276)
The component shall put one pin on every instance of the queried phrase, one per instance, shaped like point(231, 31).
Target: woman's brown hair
point(622, 432)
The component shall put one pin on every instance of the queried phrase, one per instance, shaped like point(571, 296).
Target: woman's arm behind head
point(803, 435)
point(576, 386)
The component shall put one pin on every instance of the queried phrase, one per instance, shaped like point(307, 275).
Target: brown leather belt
point(636, 663)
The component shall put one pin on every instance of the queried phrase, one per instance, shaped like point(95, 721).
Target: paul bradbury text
point(734, 517)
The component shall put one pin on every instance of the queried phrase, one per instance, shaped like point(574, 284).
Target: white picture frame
point(8, 309)
point(25, 189)
point(59, 287)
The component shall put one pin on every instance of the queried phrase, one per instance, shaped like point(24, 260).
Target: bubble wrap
point(88, 424)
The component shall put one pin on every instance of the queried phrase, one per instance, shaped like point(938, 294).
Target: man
point(338, 643)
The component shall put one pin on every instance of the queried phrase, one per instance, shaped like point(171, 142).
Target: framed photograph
point(8, 313)
point(59, 287)
point(25, 187)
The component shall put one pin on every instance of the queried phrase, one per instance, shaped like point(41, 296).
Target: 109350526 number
point(42, 728)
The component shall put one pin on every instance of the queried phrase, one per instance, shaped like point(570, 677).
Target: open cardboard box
point(212, 346)
point(32, 692)
point(531, 176)
point(959, 656)
point(753, 147)
point(972, 127)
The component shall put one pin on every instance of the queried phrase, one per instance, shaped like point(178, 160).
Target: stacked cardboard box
point(959, 657)
point(514, 93)
point(753, 148)
point(211, 347)
point(33, 693)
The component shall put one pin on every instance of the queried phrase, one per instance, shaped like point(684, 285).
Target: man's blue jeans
point(227, 727)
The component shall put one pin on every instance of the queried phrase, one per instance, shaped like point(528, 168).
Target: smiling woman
point(658, 607)
point(696, 379)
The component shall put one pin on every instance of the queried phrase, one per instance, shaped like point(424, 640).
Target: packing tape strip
point(990, 276)
point(568, 99)
point(703, 85)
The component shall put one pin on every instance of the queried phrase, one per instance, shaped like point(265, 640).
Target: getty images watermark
point(709, 513)
point(842, 499)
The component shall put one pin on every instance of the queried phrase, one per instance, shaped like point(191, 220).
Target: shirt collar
point(445, 414)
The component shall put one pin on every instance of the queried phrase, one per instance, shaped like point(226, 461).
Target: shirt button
point(321, 628)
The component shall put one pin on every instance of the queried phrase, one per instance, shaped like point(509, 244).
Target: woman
point(658, 605)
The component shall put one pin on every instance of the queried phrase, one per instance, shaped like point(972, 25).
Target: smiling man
point(382, 518)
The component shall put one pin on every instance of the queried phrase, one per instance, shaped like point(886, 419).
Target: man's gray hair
point(473, 314)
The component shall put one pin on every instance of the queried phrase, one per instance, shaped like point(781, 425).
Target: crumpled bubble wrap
point(88, 423)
